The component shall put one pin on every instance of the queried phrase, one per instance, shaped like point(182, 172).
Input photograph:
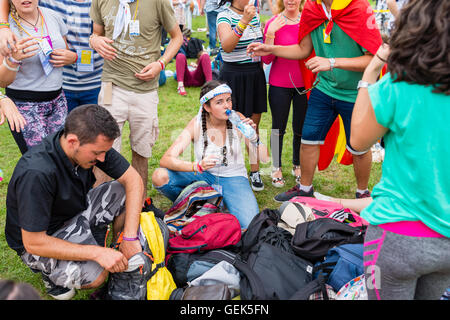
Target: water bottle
point(246, 129)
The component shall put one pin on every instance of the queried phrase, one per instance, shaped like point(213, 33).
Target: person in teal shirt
point(407, 244)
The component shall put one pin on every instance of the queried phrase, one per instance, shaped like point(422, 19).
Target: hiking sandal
point(277, 182)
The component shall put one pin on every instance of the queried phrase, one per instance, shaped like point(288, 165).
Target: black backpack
point(312, 240)
point(271, 269)
point(181, 265)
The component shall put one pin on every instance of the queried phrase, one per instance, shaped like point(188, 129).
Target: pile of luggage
point(306, 249)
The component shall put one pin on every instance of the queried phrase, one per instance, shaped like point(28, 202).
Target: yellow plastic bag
point(161, 284)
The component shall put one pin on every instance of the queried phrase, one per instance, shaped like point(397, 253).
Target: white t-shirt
point(235, 161)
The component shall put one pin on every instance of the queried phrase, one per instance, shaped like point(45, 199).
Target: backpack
point(186, 267)
point(313, 239)
point(208, 232)
point(342, 264)
point(193, 47)
point(195, 200)
point(330, 209)
point(208, 292)
point(269, 268)
point(146, 277)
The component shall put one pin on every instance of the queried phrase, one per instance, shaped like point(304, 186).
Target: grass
point(174, 112)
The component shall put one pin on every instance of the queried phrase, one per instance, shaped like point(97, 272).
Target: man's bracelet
point(130, 239)
point(162, 64)
point(3, 96)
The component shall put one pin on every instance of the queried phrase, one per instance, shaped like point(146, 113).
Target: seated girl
point(201, 74)
point(218, 155)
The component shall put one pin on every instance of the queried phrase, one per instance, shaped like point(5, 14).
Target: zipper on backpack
point(188, 248)
point(195, 232)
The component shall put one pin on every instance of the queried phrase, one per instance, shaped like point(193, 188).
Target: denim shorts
point(320, 115)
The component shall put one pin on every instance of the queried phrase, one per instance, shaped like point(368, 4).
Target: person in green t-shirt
point(407, 244)
point(127, 34)
point(339, 63)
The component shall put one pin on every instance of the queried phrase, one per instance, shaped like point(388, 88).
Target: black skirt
point(248, 83)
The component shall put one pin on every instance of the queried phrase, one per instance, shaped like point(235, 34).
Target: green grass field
point(174, 112)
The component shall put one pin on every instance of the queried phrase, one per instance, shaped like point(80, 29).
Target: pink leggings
point(199, 76)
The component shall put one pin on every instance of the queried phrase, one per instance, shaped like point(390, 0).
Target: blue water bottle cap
point(228, 112)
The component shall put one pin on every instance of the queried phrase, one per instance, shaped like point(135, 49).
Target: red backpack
point(212, 231)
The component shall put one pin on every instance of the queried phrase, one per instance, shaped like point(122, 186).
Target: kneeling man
point(56, 221)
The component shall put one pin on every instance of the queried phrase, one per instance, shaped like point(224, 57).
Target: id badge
point(45, 62)
point(45, 46)
point(326, 39)
point(134, 28)
point(85, 62)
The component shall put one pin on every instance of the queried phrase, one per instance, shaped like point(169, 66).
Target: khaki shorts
point(141, 112)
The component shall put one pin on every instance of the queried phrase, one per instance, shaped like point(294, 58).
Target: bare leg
point(308, 162)
point(141, 165)
point(101, 177)
point(362, 164)
point(97, 282)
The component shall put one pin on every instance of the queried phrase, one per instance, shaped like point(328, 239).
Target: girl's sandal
point(297, 178)
point(277, 182)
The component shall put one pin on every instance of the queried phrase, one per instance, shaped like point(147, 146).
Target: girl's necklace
point(236, 8)
point(293, 20)
point(31, 24)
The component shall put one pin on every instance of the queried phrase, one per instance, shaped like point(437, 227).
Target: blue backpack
point(341, 264)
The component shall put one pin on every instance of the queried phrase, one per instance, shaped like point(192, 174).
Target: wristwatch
point(362, 84)
point(332, 63)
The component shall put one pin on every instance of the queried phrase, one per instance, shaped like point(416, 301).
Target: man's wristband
point(3, 96)
point(162, 64)
point(130, 239)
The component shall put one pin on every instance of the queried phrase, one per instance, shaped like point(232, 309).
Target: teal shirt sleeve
point(383, 101)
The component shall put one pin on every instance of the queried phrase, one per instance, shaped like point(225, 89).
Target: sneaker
point(257, 184)
point(57, 292)
point(293, 192)
point(149, 206)
point(365, 194)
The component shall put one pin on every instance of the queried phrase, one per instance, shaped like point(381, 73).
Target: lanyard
point(42, 26)
point(136, 9)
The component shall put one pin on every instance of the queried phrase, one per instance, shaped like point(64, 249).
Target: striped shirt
point(252, 33)
point(75, 15)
